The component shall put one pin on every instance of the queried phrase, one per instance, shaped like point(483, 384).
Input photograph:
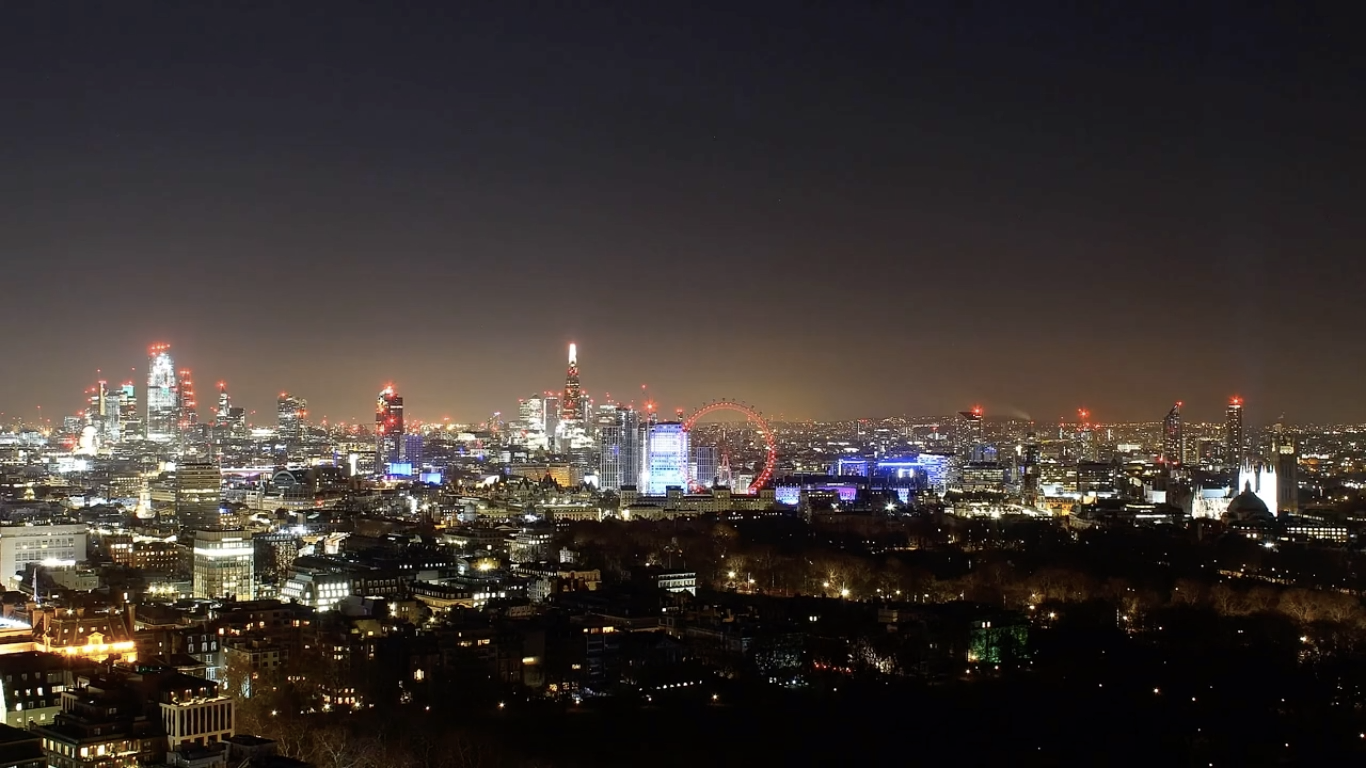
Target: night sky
point(825, 209)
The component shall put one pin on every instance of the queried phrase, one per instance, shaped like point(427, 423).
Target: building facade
point(666, 458)
point(22, 546)
point(224, 565)
point(1173, 437)
point(620, 447)
point(198, 494)
point(290, 412)
point(389, 430)
point(1235, 444)
point(162, 399)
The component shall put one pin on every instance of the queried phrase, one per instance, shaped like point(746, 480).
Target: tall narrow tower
point(128, 412)
point(571, 404)
point(1173, 438)
point(187, 415)
point(1235, 447)
point(388, 429)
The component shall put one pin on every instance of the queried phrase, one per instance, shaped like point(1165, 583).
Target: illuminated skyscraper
point(531, 431)
point(388, 429)
point(571, 403)
point(667, 457)
point(1235, 448)
point(571, 433)
point(1173, 437)
point(129, 424)
point(187, 408)
point(102, 413)
point(162, 400)
point(220, 416)
point(619, 437)
point(229, 422)
point(969, 435)
point(290, 412)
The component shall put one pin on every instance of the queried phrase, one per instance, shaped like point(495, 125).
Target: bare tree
point(1299, 604)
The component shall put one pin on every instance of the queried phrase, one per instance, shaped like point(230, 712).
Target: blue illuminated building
point(667, 458)
point(929, 470)
point(904, 475)
point(412, 450)
point(790, 495)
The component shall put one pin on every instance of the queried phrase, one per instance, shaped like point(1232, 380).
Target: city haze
point(829, 212)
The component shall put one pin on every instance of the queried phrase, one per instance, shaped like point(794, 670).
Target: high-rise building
point(290, 412)
point(1235, 447)
point(969, 434)
point(571, 402)
point(389, 429)
point(571, 433)
point(94, 408)
point(1030, 454)
point(220, 416)
point(187, 408)
point(667, 455)
point(230, 421)
point(198, 495)
point(531, 431)
point(1173, 438)
point(551, 407)
point(224, 564)
point(619, 438)
point(1085, 447)
point(162, 400)
point(102, 412)
point(129, 424)
point(706, 465)
point(412, 454)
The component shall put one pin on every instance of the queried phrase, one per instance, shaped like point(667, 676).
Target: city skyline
point(262, 412)
point(526, 384)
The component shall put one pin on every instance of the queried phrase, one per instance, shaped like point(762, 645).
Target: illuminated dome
point(1248, 507)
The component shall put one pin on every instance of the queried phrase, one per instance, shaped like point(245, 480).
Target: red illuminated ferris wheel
point(752, 415)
